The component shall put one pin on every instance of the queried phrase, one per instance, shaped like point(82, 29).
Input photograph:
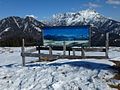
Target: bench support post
point(50, 51)
point(73, 52)
point(82, 52)
point(39, 53)
point(107, 45)
point(23, 51)
point(64, 48)
point(69, 52)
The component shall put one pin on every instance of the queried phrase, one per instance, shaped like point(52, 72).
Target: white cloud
point(33, 16)
point(90, 4)
point(114, 2)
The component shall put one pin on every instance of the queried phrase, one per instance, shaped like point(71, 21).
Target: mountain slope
point(99, 25)
point(13, 29)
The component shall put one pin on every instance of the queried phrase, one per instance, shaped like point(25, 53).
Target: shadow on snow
point(85, 64)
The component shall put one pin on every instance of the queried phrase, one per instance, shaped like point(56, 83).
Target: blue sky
point(43, 9)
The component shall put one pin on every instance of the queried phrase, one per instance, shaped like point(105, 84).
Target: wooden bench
point(74, 49)
point(64, 48)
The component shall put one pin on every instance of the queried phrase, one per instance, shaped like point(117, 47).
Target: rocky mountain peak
point(99, 24)
point(13, 29)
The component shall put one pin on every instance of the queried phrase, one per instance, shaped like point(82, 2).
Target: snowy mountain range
point(99, 25)
point(13, 29)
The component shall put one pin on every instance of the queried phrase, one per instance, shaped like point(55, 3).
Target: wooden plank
point(77, 48)
point(60, 56)
point(58, 48)
point(31, 50)
point(95, 49)
point(30, 54)
point(86, 57)
point(100, 49)
point(35, 54)
point(96, 57)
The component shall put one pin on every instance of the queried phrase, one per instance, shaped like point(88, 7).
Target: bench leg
point(83, 53)
point(69, 53)
point(73, 52)
point(50, 50)
point(23, 59)
point(39, 53)
point(23, 51)
point(106, 54)
point(64, 48)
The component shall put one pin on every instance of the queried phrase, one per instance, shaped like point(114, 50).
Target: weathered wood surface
point(51, 56)
point(23, 50)
point(58, 48)
point(50, 51)
point(100, 49)
point(60, 56)
point(64, 48)
point(31, 50)
point(107, 44)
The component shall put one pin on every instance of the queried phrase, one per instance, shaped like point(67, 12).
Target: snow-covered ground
point(62, 74)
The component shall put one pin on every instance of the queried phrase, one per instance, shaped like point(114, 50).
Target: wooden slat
point(60, 56)
point(31, 54)
point(35, 55)
point(90, 49)
point(58, 48)
point(95, 49)
point(100, 49)
point(86, 57)
point(31, 50)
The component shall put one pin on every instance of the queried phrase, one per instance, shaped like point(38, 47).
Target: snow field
point(63, 74)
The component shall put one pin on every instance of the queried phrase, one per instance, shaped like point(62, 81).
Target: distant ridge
point(13, 29)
